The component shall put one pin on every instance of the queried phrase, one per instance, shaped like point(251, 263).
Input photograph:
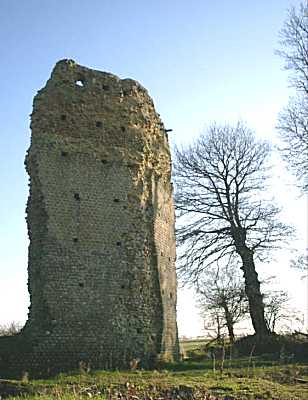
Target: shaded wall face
point(101, 223)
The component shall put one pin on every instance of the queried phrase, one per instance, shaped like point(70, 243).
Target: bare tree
point(11, 329)
point(222, 299)
point(219, 180)
point(213, 325)
point(276, 309)
point(293, 120)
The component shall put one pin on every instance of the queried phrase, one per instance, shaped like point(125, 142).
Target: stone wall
point(101, 225)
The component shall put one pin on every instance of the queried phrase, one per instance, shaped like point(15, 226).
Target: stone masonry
point(100, 219)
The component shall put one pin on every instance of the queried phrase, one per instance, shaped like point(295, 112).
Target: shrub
point(284, 347)
point(11, 329)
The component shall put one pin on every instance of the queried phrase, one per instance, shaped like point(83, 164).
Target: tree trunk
point(218, 327)
point(255, 298)
point(252, 284)
point(229, 323)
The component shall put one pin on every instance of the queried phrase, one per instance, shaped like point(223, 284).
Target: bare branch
point(293, 120)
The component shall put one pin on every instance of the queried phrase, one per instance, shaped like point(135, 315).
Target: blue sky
point(200, 60)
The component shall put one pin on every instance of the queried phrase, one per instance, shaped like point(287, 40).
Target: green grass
point(247, 379)
point(193, 344)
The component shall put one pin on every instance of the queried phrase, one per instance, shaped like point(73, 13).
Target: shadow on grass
point(238, 363)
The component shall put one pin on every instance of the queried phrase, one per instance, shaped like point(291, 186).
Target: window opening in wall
point(104, 161)
point(76, 196)
point(116, 200)
point(81, 284)
point(63, 117)
point(119, 243)
point(64, 153)
point(99, 124)
point(123, 128)
point(171, 295)
point(139, 330)
point(122, 286)
point(75, 240)
point(106, 87)
point(80, 82)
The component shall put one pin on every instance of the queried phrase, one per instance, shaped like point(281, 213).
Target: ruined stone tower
point(101, 225)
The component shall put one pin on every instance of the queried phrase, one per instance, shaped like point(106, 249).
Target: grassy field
point(243, 378)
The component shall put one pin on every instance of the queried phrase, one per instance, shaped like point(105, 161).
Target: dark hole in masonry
point(64, 153)
point(139, 330)
point(104, 161)
point(106, 87)
point(123, 128)
point(116, 200)
point(119, 243)
point(76, 196)
point(171, 295)
point(126, 92)
point(122, 286)
point(81, 284)
point(99, 124)
point(75, 240)
point(63, 117)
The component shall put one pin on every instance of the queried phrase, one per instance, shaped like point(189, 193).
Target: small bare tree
point(222, 299)
point(276, 309)
point(11, 329)
point(293, 120)
point(219, 182)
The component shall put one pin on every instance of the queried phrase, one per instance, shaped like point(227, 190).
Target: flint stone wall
point(100, 219)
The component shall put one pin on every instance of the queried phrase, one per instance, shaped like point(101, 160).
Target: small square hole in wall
point(63, 117)
point(77, 196)
point(104, 161)
point(119, 243)
point(171, 295)
point(122, 286)
point(99, 124)
point(123, 128)
point(106, 87)
point(75, 240)
point(139, 330)
point(116, 200)
point(64, 153)
point(81, 284)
